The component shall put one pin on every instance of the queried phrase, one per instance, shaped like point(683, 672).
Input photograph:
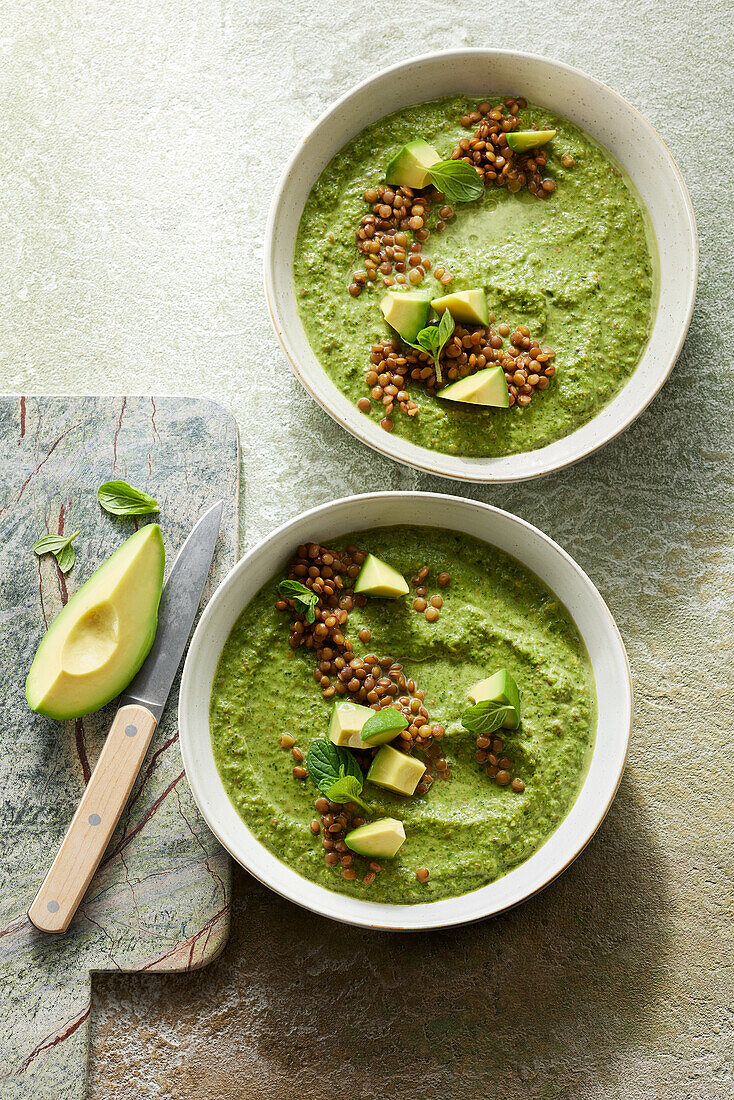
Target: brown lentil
point(422, 874)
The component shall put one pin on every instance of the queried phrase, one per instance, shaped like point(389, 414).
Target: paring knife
point(127, 742)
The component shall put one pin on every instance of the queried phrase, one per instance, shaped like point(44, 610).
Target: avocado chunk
point(406, 312)
point(377, 578)
point(95, 646)
point(345, 727)
point(499, 688)
point(409, 167)
point(380, 838)
point(486, 387)
point(522, 140)
point(395, 771)
point(469, 307)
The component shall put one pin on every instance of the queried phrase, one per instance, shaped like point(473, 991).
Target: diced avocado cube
point(522, 140)
point(395, 771)
point(346, 724)
point(379, 838)
point(469, 307)
point(409, 167)
point(377, 578)
point(498, 688)
point(486, 387)
point(347, 721)
point(406, 311)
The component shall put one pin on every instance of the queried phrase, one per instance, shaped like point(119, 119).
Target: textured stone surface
point(138, 155)
point(160, 898)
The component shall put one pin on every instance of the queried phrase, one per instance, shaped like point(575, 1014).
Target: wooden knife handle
point(94, 821)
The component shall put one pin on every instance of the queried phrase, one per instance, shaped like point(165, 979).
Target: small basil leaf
point(60, 546)
point(346, 789)
point(381, 720)
point(445, 327)
point(122, 499)
point(304, 599)
point(458, 181)
point(485, 717)
point(433, 338)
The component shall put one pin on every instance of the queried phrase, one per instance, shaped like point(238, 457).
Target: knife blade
point(138, 714)
point(179, 603)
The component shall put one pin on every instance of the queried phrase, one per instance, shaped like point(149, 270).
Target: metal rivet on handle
point(53, 907)
point(131, 730)
point(94, 819)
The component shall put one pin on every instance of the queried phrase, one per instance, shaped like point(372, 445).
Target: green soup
point(579, 269)
point(467, 831)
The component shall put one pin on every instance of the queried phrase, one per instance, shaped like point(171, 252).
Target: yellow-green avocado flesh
point(95, 646)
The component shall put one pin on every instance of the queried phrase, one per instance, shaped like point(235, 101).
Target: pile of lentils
point(371, 680)
point(496, 163)
point(382, 237)
point(490, 749)
point(336, 819)
point(528, 367)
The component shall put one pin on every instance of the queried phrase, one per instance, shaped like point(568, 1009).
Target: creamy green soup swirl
point(579, 269)
point(467, 831)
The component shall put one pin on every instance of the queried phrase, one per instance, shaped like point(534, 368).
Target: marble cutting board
point(161, 898)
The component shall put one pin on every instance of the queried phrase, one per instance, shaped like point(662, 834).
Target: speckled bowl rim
point(673, 315)
point(540, 553)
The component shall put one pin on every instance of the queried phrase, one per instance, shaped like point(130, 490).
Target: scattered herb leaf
point(335, 772)
point(458, 181)
point(346, 789)
point(61, 548)
point(433, 338)
point(381, 720)
point(122, 499)
point(485, 717)
point(304, 600)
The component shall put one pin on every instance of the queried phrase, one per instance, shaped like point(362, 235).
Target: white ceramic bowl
point(585, 101)
point(540, 554)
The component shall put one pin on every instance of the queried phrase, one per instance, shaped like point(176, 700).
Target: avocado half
point(95, 646)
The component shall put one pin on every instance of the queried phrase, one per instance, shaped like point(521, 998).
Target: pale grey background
point(139, 145)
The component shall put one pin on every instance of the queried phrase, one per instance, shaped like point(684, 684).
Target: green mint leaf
point(381, 720)
point(304, 600)
point(433, 338)
point(327, 762)
point(346, 789)
point(445, 328)
point(122, 499)
point(485, 717)
point(61, 548)
point(458, 181)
